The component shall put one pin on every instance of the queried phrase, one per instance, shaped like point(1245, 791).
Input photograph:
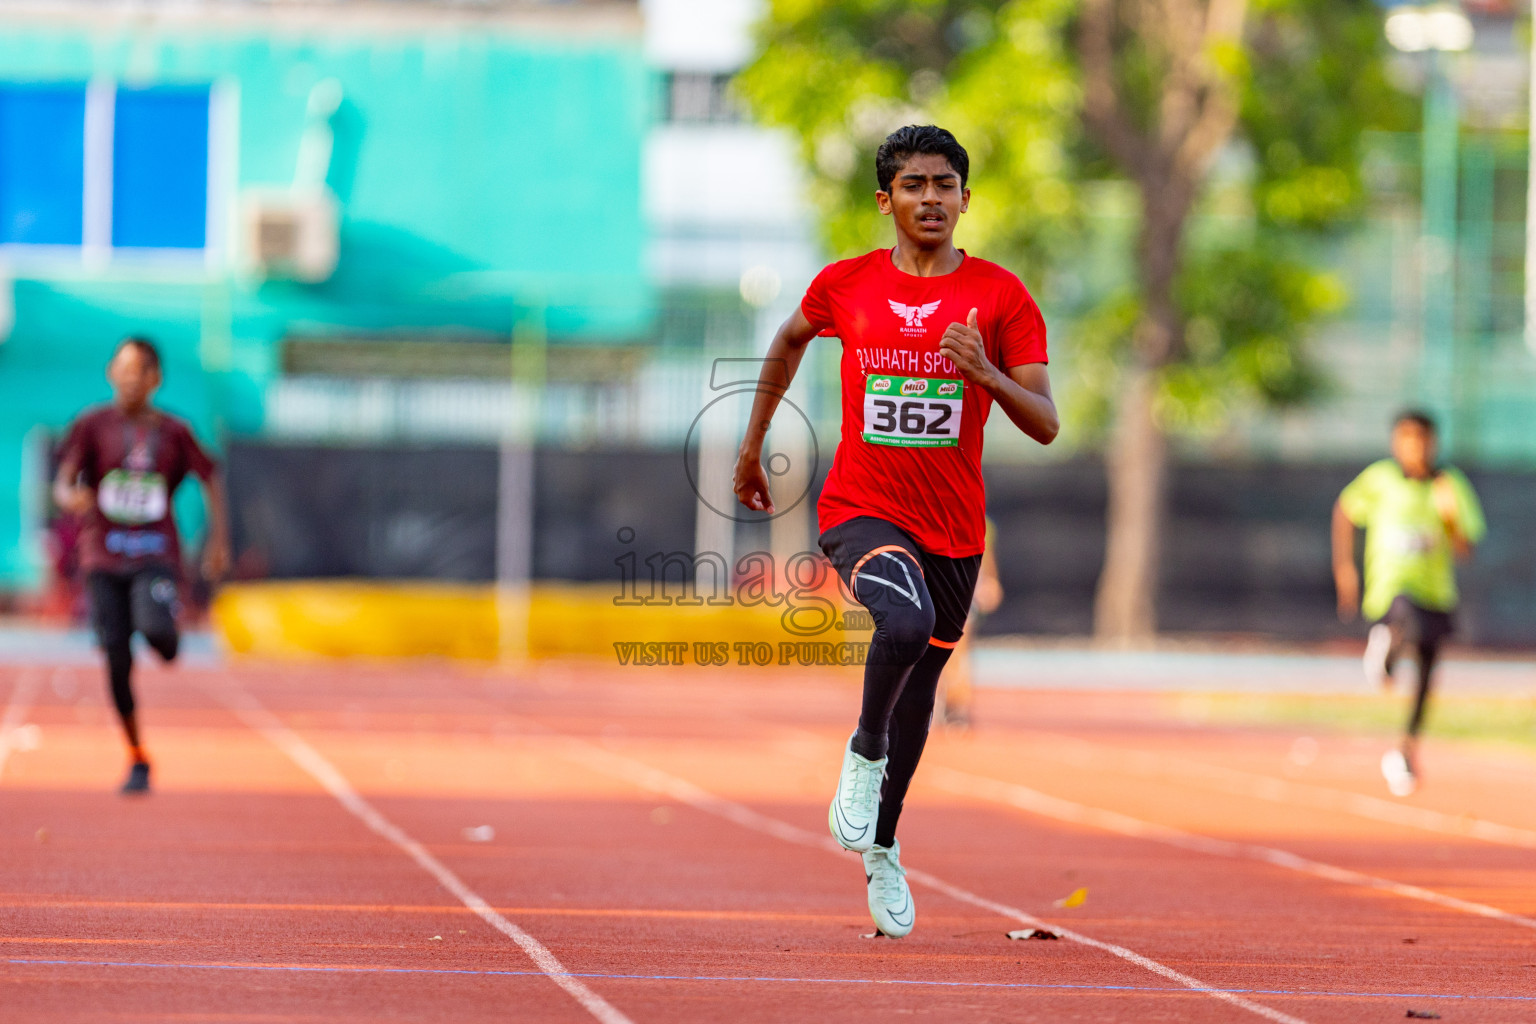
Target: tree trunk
point(1195, 114)
point(1125, 605)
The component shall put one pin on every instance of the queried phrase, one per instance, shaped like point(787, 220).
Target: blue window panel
point(42, 164)
point(160, 168)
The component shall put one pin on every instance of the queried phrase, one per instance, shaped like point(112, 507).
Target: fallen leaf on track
point(1077, 898)
point(1424, 1014)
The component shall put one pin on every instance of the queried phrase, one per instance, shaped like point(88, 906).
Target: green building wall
point(486, 177)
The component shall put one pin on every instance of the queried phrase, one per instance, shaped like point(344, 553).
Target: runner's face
point(926, 200)
point(132, 377)
point(1413, 447)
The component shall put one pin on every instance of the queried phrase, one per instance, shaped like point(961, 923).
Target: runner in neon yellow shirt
point(1418, 519)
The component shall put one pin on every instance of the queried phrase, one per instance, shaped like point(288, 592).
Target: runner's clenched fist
point(962, 345)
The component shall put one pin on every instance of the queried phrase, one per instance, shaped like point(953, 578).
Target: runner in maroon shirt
point(119, 469)
point(932, 337)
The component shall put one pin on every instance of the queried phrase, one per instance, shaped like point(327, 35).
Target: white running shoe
point(890, 901)
point(856, 805)
point(1399, 773)
point(1378, 650)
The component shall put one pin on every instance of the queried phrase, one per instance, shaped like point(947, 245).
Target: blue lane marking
point(762, 978)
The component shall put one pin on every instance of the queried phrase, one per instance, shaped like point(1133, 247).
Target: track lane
point(252, 713)
point(63, 850)
point(654, 718)
point(699, 874)
point(664, 912)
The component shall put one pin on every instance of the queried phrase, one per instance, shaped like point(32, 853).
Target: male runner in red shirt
point(119, 468)
point(931, 338)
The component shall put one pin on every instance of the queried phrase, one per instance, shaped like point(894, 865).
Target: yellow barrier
point(413, 620)
point(357, 620)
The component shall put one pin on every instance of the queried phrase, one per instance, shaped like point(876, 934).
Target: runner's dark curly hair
point(915, 139)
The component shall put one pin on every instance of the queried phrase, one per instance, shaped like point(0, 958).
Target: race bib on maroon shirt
point(132, 498)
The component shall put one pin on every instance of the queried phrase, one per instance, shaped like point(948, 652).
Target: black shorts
point(141, 600)
point(949, 582)
point(1415, 625)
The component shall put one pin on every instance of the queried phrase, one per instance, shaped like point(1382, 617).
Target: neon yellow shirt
point(1408, 550)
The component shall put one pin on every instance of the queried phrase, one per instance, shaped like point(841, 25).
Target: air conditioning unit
point(289, 234)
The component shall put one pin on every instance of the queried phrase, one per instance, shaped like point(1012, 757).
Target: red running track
point(659, 854)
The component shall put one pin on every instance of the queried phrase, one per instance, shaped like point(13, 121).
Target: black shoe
point(138, 778)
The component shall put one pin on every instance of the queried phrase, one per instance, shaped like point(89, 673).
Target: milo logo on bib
point(913, 412)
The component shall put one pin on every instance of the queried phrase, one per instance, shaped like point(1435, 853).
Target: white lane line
point(16, 709)
point(1035, 802)
point(657, 781)
point(1084, 753)
point(249, 711)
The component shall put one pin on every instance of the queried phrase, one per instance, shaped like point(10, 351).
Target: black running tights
point(1429, 653)
point(122, 603)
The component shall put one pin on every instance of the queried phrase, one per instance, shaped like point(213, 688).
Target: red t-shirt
point(910, 451)
point(135, 466)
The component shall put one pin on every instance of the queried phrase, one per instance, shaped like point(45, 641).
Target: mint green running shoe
point(890, 900)
point(856, 805)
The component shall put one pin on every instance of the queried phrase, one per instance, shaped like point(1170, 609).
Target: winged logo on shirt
point(914, 315)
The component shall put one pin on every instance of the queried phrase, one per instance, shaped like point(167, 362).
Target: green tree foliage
point(1247, 310)
point(841, 76)
point(1315, 80)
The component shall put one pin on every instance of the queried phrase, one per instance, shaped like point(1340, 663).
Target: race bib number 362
point(912, 412)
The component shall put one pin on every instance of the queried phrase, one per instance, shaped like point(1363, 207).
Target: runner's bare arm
point(1023, 392)
point(989, 585)
point(216, 553)
point(1346, 578)
point(783, 359)
point(68, 493)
